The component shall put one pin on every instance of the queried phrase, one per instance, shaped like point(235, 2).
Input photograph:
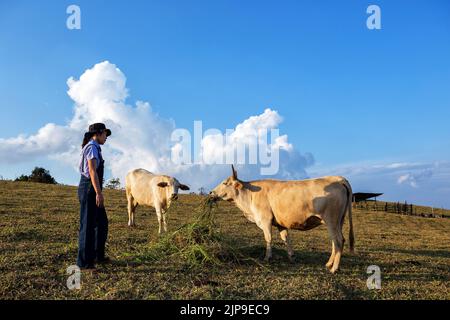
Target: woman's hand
point(99, 200)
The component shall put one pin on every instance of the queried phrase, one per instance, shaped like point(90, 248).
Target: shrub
point(39, 175)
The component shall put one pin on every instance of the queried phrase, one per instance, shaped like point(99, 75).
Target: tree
point(22, 178)
point(39, 175)
point(113, 183)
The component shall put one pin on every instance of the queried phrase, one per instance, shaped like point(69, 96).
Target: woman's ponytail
point(87, 137)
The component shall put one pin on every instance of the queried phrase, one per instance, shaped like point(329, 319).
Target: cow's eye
point(224, 183)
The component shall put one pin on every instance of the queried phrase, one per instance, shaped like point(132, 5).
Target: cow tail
point(351, 235)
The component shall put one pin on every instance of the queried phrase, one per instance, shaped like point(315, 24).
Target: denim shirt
point(90, 151)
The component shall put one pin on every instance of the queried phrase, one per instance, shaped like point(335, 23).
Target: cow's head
point(229, 188)
point(172, 185)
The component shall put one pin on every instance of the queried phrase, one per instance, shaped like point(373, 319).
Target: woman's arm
point(95, 182)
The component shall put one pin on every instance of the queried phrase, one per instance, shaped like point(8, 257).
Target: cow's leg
point(131, 208)
point(164, 220)
point(133, 211)
point(159, 215)
point(333, 253)
point(267, 229)
point(129, 214)
point(285, 237)
point(337, 244)
point(335, 224)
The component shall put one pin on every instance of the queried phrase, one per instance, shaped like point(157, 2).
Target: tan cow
point(299, 205)
point(158, 191)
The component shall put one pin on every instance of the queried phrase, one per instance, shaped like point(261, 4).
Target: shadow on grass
point(428, 253)
point(308, 258)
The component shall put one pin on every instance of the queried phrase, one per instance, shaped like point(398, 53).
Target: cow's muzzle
point(213, 196)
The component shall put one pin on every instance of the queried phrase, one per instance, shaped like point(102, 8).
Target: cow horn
point(234, 172)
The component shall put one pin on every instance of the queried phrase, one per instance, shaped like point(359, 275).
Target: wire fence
point(402, 208)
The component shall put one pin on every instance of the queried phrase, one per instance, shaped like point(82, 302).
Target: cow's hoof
point(334, 270)
point(291, 259)
point(329, 265)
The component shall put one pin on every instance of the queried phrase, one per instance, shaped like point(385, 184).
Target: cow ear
point(162, 184)
point(238, 185)
point(184, 187)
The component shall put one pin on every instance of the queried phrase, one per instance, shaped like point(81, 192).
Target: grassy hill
point(38, 241)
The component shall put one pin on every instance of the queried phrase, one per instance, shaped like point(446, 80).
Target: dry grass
point(38, 241)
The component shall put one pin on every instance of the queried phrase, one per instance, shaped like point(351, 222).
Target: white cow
point(148, 189)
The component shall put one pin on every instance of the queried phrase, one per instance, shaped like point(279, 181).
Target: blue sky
point(348, 95)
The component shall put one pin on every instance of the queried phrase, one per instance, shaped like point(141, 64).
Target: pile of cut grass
point(196, 244)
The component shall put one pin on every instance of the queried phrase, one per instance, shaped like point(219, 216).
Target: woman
point(93, 219)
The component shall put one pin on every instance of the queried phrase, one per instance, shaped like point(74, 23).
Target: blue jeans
point(93, 226)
